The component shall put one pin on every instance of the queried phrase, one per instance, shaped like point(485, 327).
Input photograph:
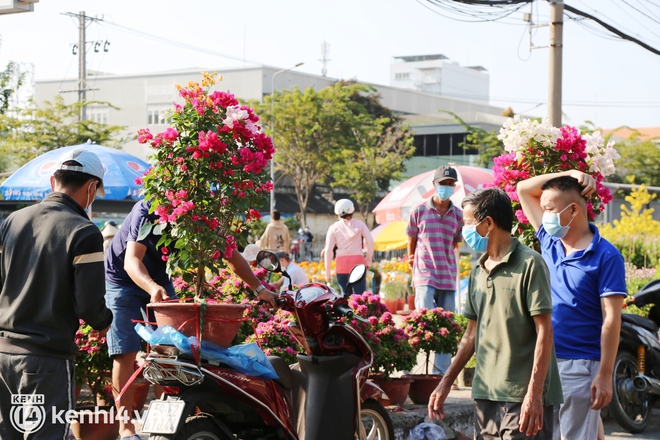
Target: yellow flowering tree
point(636, 234)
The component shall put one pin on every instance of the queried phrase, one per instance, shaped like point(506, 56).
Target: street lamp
point(272, 132)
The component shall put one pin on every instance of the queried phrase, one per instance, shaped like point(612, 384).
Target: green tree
point(641, 158)
point(310, 131)
point(35, 130)
point(377, 147)
point(377, 157)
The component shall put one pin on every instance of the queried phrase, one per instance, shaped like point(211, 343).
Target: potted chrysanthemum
point(207, 178)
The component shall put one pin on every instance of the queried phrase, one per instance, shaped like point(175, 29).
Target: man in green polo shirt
point(516, 382)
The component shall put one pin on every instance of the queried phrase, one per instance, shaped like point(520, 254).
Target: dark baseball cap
point(444, 173)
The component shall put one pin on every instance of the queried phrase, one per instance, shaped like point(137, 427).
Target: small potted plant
point(93, 366)
point(392, 351)
point(430, 330)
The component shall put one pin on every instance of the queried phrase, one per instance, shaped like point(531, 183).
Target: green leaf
point(144, 231)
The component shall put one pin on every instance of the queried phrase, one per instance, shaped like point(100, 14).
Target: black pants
point(35, 394)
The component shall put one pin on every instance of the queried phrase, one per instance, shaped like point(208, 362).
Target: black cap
point(445, 172)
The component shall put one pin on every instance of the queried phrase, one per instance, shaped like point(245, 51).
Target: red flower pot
point(221, 322)
point(422, 387)
point(395, 389)
point(391, 304)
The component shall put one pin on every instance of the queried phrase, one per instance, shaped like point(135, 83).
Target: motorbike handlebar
point(344, 310)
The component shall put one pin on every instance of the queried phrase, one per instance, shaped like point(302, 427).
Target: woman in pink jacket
point(351, 237)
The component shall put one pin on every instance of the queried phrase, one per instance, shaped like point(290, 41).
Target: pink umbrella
point(401, 200)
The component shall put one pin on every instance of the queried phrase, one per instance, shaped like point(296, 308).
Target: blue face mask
point(552, 223)
point(444, 192)
point(473, 239)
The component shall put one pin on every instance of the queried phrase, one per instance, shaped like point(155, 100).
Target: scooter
point(636, 379)
point(326, 395)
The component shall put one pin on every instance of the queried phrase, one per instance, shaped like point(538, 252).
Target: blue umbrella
point(32, 180)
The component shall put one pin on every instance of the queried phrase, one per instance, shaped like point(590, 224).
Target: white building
point(438, 75)
point(141, 99)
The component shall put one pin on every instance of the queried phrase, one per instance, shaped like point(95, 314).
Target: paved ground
point(614, 431)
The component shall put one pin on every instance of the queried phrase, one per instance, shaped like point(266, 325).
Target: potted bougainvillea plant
point(208, 176)
point(534, 148)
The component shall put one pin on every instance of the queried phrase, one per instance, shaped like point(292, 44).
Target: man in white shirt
point(297, 275)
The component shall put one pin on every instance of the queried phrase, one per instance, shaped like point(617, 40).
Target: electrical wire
point(176, 43)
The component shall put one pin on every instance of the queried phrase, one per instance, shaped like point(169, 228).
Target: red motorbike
point(326, 395)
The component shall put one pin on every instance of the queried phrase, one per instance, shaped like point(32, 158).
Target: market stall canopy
point(398, 203)
point(390, 236)
point(32, 180)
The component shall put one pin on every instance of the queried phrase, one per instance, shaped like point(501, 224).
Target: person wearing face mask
point(516, 384)
point(588, 289)
point(51, 275)
point(434, 233)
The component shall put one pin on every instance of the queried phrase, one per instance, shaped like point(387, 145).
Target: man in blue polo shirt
point(587, 276)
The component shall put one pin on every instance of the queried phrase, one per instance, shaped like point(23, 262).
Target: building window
point(156, 113)
point(402, 76)
point(97, 114)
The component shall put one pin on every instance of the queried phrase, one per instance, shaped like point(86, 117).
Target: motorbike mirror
point(269, 261)
point(357, 273)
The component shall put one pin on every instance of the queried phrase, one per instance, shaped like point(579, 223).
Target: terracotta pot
point(391, 304)
point(422, 387)
point(411, 302)
point(400, 303)
point(396, 390)
point(221, 323)
point(140, 394)
point(95, 424)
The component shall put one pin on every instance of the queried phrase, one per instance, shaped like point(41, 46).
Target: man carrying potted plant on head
point(51, 273)
point(136, 274)
point(516, 383)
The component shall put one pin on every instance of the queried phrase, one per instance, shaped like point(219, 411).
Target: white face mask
point(88, 203)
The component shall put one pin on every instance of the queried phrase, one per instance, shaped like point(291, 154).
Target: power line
point(177, 43)
point(612, 29)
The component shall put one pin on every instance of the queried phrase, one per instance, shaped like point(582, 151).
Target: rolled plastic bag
point(427, 431)
point(246, 358)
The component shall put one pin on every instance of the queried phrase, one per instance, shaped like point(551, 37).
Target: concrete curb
point(457, 424)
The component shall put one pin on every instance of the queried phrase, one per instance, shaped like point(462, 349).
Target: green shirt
point(503, 302)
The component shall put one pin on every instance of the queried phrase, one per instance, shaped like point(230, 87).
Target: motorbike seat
point(640, 321)
point(283, 371)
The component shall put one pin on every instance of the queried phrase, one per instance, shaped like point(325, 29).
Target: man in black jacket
point(51, 274)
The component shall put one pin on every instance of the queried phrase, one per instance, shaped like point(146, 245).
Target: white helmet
point(344, 207)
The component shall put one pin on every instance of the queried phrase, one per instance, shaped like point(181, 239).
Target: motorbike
point(326, 395)
point(636, 379)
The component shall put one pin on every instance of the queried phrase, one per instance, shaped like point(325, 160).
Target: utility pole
point(556, 46)
point(81, 49)
point(82, 64)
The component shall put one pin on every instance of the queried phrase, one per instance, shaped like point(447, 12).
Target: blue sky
point(606, 80)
